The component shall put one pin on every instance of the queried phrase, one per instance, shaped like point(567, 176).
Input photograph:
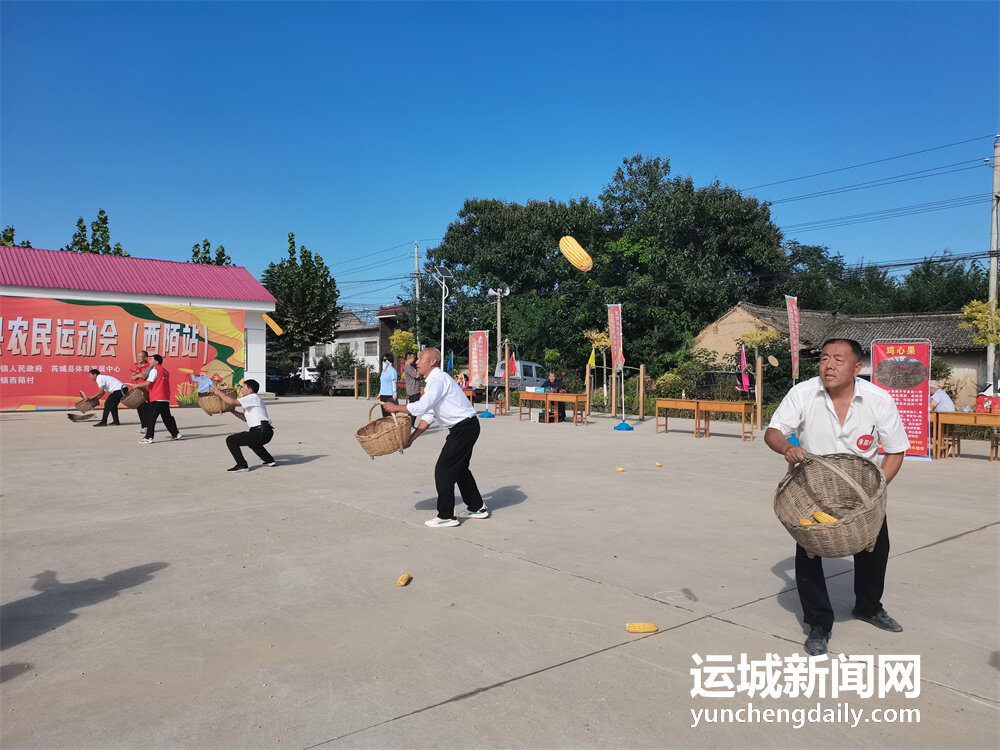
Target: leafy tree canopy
point(203, 254)
point(7, 238)
point(100, 238)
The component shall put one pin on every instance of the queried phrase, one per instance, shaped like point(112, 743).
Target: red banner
point(48, 347)
point(903, 369)
point(479, 368)
point(792, 304)
point(615, 329)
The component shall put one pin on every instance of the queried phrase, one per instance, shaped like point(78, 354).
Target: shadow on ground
point(503, 497)
point(54, 606)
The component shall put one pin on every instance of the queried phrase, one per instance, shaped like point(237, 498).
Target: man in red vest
point(158, 383)
point(139, 372)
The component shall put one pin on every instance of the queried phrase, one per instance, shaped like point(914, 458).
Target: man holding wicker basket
point(838, 412)
point(444, 401)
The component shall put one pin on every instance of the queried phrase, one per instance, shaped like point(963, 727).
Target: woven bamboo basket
point(385, 435)
point(212, 404)
point(135, 398)
point(84, 405)
point(848, 487)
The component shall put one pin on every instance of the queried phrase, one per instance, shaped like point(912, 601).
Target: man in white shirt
point(257, 419)
point(115, 390)
point(444, 401)
point(839, 412)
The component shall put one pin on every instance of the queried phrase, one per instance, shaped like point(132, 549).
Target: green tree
point(306, 306)
point(941, 285)
point(7, 238)
point(203, 254)
point(100, 238)
point(402, 343)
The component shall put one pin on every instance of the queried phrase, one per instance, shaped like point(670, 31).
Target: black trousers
point(385, 400)
point(453, 468)
point(111, 405)
point(143, 411)
point(255, 439)
point(869, 582)
point(159, 409)
point(410, 398)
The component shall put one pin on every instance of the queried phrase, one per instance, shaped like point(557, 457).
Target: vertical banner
point(792, 304)
point(903, 369)
point(48, 347)
point(615, 329)
point(479, 342)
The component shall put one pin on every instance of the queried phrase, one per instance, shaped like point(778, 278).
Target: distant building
point(948, 341)
point(365, 334)
point(63, 313)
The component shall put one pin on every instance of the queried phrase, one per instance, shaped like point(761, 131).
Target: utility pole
point(991, 350)
point(416, 277)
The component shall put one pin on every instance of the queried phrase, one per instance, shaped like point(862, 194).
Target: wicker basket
point(385, 435)
point(135, 398)
point(848, 487)
point(84, 405)
point(212, 404)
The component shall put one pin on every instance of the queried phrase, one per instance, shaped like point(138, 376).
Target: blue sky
point(362, 127)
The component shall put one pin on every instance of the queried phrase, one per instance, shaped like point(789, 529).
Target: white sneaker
point(483, 512)
point(143, 441)
point(272, 463)
point(178, 436)
point(436, 522)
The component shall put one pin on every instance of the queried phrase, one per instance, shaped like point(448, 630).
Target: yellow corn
point(824, 517)
point(403, 579)
point(805, 522)
point(641, 627)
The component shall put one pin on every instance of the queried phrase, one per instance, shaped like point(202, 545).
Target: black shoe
point(239, 469)
point(100, 424)
point(817, 640)
point(880, 620)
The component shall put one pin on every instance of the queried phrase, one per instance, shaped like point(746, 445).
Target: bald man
point(444, 401)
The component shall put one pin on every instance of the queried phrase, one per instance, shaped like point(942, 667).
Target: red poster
point(903, 369)
point(615, 329)
point(48, 347)
point(792, 304)
point(479, 343)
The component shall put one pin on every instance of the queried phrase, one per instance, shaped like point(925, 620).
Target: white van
point(309, 374)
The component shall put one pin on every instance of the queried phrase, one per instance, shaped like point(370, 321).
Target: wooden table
point(579, 401)
point(673, 403)
point(705, 408)
point(943, 419)
point(471, 394)
point(529, 396)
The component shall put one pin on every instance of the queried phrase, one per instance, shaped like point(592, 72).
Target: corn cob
point(805, 522)
point(824, 517)
point(403, 579)
point(641, 627)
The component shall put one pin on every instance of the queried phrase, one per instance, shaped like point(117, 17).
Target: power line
point(867, 163)
point(905, 177)
point(888, 213)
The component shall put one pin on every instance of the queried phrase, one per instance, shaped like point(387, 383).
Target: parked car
point(529, 374)
point(309, 374)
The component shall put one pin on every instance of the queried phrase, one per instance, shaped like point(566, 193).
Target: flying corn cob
point(641, 627)
point(403, 579)
point(824, 517)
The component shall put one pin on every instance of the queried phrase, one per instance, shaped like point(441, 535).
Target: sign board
point(615, 329)
point(903, 369)
point(792, 304)
point(48, 347)
point(479, 346)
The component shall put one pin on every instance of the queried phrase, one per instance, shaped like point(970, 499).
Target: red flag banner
point(792, 303)
point(478, 362)
point(511, 369)
point(615, 329)
point(903, 369)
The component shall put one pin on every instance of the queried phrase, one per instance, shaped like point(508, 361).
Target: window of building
point(371, 348)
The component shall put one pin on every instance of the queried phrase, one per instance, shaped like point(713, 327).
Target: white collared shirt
point(444, 397)
point(254, 410)
point(872, 417)
point(109, 383)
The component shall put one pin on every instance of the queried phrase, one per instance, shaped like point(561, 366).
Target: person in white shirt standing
point(838, 412)
point(115, 390)
point(444, 401)
point(257, 419)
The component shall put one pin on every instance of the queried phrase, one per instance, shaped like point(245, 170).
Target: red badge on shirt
point(865, 442)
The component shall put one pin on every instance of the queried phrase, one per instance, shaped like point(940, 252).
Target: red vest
point(160, 389)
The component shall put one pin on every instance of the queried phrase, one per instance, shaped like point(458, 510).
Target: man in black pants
point(412, 382)
point(158, 384)
point(452, 408)
point(838, 412)
point(115, 390)
point(257, 419)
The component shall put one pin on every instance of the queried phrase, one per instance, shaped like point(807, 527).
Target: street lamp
point(499, 293)
point(442, 274)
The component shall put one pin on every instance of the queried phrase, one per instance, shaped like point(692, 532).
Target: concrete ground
point(151, 600)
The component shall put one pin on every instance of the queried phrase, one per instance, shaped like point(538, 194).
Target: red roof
point(390, 311)
point(58, 269)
